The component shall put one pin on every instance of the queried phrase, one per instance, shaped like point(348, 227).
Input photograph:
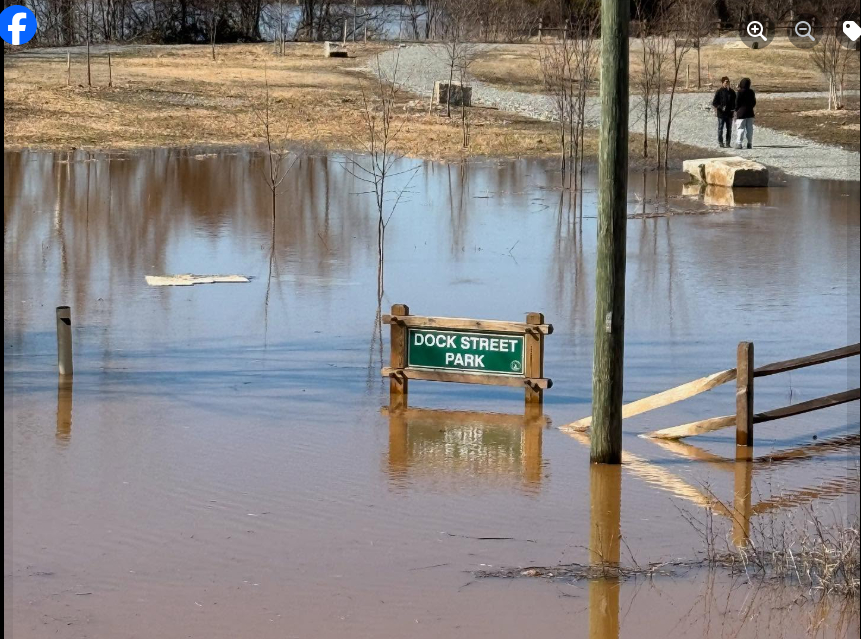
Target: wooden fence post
point(64, 340)
point(540, 27)
point(744, 395)
point(398, 383)
point(533, 359)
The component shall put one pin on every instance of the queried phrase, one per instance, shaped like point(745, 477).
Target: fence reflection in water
point(488, 446)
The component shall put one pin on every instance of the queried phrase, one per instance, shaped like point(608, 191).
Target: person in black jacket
point(744, 103)
point(724, 104)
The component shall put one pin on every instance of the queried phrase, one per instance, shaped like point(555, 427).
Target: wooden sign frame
point(532, 378)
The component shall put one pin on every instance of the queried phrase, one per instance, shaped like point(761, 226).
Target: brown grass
point(779, 67)
point(178, 96)
point(811, 119)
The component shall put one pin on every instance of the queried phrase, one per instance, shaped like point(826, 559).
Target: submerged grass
point(820, 559)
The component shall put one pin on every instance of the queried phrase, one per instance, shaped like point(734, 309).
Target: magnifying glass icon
point(803, 29)
point(756, 30)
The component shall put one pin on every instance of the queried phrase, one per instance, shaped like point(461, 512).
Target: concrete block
point(454, 93)
point(334, 50)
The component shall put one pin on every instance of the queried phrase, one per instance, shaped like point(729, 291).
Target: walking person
point(744, 102)
point(724, 105)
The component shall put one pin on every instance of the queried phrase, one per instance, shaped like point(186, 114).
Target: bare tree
point(458, 51)
point(832, 59)
point(700, 20)
point(646, 80)
point(677, 21)
point(378, 165)
point(569, 66)
point(89, 29)
point(279, 161)
point(279, 158)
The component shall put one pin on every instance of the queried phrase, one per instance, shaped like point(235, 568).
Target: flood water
point(224, 465)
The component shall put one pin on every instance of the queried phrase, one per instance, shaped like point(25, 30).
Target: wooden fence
point(744, 418)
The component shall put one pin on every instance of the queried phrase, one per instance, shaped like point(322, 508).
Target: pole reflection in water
point(743, 473)
point(605, 493)
point(487, 446)
point(64, 410)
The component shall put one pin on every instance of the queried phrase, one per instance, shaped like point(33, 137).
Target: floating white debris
point(189, 280)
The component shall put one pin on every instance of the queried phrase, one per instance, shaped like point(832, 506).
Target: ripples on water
point(221, 464)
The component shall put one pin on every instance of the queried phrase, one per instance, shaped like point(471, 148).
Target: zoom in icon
point(757, 31)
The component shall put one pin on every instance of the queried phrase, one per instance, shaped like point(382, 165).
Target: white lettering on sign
point(440, 341)
point(464, 359)
point(494, 344)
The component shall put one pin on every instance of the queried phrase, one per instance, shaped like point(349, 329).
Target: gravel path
point(693, 123)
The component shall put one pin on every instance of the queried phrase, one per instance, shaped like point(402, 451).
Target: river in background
point(223, 464)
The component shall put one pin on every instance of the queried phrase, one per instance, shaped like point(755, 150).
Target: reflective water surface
point(225, 464)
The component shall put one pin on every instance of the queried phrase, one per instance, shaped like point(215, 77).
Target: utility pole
point(606, 437)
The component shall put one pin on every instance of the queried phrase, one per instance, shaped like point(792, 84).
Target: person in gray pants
point(745, 101)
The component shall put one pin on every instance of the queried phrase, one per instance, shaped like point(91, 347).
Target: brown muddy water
point(223, 464)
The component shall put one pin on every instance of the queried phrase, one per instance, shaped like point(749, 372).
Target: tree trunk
point(89, 30)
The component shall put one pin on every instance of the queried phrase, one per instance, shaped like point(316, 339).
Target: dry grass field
point(178, 96)
point(170, 96)
point(779, 67)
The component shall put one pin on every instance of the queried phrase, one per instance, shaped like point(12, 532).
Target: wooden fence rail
point(744, 418)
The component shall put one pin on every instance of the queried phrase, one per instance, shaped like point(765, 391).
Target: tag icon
point(852, 30)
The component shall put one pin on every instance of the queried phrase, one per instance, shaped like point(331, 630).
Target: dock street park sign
point(470, 351)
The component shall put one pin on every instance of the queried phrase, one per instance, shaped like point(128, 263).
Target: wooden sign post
point(468, 351)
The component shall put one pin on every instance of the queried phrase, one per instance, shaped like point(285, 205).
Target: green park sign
point(466, 351)
point(498, 353)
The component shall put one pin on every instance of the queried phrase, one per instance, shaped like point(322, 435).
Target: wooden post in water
point(398, 384)
point(606, 440)
point(533, 359)
point(64, 340)
point(744, 395)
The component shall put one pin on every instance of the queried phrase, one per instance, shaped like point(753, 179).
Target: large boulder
point(731, 171)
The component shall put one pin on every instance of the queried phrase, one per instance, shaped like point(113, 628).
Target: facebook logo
point(17, 24)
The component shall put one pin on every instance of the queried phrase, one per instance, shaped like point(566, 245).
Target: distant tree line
point(203, 21)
